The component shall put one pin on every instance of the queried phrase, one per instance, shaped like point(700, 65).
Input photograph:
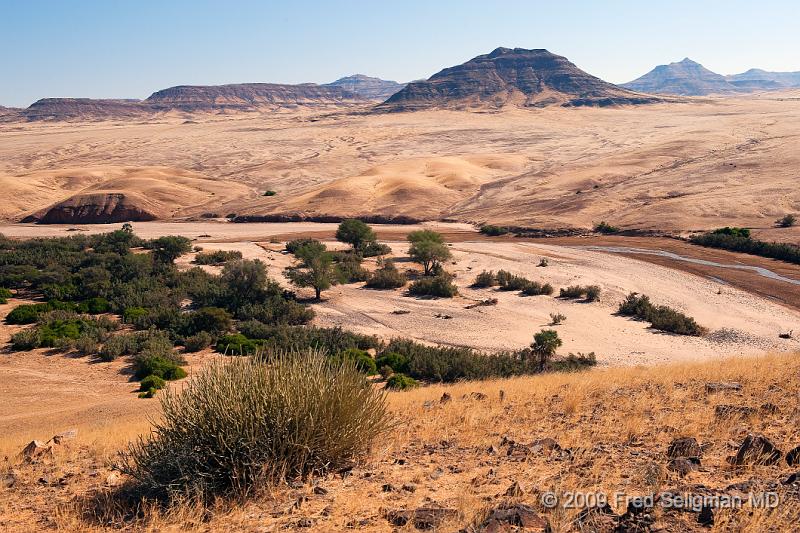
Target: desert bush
point(492, 230)
point(485, 279)
point(119, 345)
point(26, 313)
point(212, 320)
point(349, 265)
point(26, 339)
point(786, 221)
point(332, 340)
point(167, 249)
point(534, 288)
point(738, 240)
point(198, 341)
point(395, 361)
point(440, 286)
point(557, 318)
point(149, 394)
point(507, 281)
point(5, 294)
point(543, 262)
point(217, 257)
point(605, 228)
point(295, 244)
point(132, 314)
point(269, 193)
point(86, 345)
point(374, 249)
point(661, 317)
point(386, 277)
point(592, 293)
point(364, 363)
point(237, 344)
point(154, 365)
point(573, 291)
point(401, 382)
point(152, 382)
point(573, 362)
point(247, 422)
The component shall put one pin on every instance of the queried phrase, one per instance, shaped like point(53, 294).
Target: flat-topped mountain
point(683, 78)
point(81, 109)
point(757, 79)
point(367, 86)
point(248, 96)
point(512, 77)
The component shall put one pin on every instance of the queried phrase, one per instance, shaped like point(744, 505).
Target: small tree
point(355, 233)
point(167, 249)
point(545, 343)
point(786, 221)
point(428, 249)
point(316, 269)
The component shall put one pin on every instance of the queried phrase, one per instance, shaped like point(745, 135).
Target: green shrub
point(269, 193)
point(26, 313)
point(738, 240)
point(534, 288)
point(149, 394)
point(397, 362)
point(375, 249)
point(661, 317)
point(592, 293)
point(217, 257)
point(212, 320)
point(786, 221)
point(26, 339)
point(294, 415)
point(237, 344)
point(199, 341)
point(364, 363)
point(349, 265)
point(152, 382)
point(95, 306)
point(133, 314)
point(5, 294)
point(440, 286)
point(544, 346)
point(605, 228)
point(511, 282)
point(543, 262)
point(573, 291)
point(86, 345)
point(119, 345)
point(573, 362)
point(386, 277)
point(294, 245)
point(484, 280)
point(331, 340)
point(492, 230)
point(155, 365)
point(557, 318)
point(733, 232)
point(401, 382)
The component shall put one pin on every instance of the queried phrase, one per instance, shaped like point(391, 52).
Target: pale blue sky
point(126, 49)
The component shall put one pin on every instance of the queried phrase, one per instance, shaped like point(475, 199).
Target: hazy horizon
point(99, 50)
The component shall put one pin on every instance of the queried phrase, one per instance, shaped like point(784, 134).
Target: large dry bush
point(247, 422)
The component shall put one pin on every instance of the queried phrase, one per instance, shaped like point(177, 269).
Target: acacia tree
point(545, 343)
point(355, 233)
point(428, 249)
point(316, 268)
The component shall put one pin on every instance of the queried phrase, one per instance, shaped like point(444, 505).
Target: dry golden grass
point(616, 422)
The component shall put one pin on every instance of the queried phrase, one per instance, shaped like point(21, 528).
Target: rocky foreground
point(676, 448)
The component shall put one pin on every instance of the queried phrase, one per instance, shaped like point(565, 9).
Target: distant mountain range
point(367, 87)
point(689, 78)
point(504, 77)
point(526, 78)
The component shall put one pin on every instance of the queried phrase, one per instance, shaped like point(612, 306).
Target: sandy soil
point(700, 164)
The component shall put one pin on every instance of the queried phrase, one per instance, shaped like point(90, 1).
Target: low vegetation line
point(739, 240)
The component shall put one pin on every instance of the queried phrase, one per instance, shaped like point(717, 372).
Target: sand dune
point(698, 164)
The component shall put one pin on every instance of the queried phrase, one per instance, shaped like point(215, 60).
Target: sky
point(130, 49)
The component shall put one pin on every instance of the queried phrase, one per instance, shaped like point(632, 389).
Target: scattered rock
point(445, 398)
point(512, 518)
point(9, 479)
point(724, 386)
point(492, 450)
point(683, 465)
point(387, 487)
point(64, 436)
point(599, 518)
point(305, 522)
point(706, 517)
point(408, 487)
point(422, 518)
point(684, 447)
point(436, 474)
point(770, 408)
point(502, 395)
point(479, 396)
point(793, 457)
point(35, 450)
point(547, 444)
point(756, 449)
point(320, 491)
point(733, 411)
point(792, 479)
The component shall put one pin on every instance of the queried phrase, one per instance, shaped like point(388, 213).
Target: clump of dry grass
point(246, 422)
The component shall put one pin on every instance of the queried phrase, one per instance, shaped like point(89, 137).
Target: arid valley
point(382, 306)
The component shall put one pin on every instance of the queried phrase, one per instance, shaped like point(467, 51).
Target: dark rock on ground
point(734, 411)
point(422, 518)
point(793, 457)
point(683, 465)
point(684, 447)
point(507, 518)
point(729, 386)
point(756, 449)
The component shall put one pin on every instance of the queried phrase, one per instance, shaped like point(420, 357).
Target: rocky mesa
point(518, 77)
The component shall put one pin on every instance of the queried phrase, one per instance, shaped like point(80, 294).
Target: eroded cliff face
point(95, 208)
point(516, 77)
